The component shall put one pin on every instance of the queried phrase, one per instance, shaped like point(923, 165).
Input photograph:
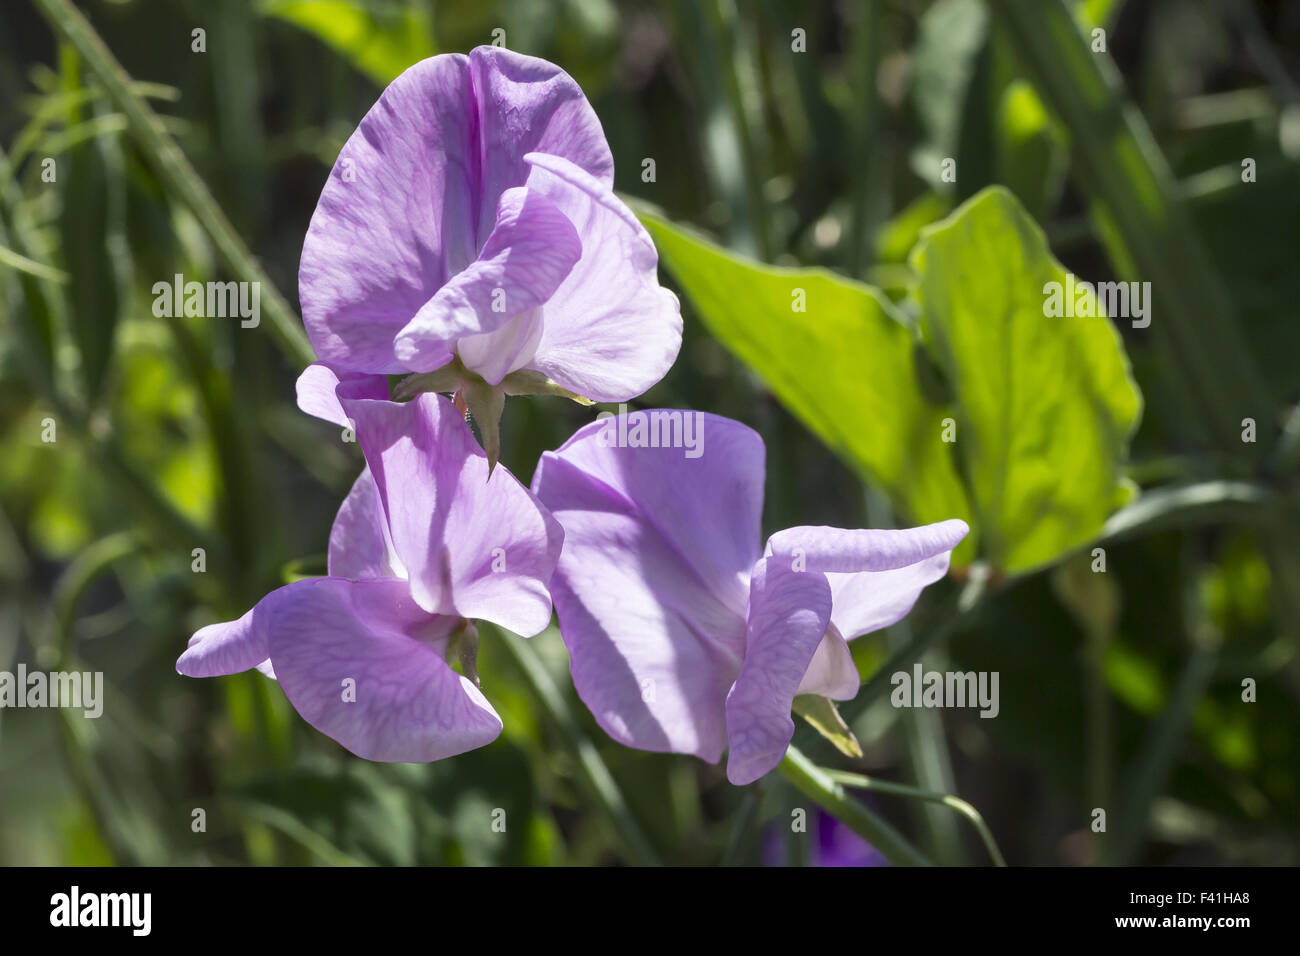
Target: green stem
point(818, 785)
point(862, 782)
point(929, 764)
point(1155, 761)
point(176, 173)
point(596, 778)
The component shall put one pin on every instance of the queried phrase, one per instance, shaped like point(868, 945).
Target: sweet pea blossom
point(423, 543)
point(683, 635)
point(469, 232)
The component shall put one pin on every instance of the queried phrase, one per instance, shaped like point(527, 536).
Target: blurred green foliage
point(1121, 690)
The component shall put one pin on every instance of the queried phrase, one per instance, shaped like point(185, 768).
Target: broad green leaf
point(1045, 406)
point(381, 42)
point(846, 366)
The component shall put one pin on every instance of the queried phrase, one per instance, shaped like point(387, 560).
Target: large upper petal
point(413, 195)
point(361, 662)
point(610, 331)
point(788, 615)
point(396, 218)
point(530, 105)
point(651, 587)
point(471, 546)
point(705, 501)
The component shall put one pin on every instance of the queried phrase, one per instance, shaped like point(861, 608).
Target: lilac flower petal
point(832, 672)
point(652, 648)
point(788, 614)
point(229, 647)
point(361, 662)
point(836, 549)
point(705, 509)
point(360, 543)
point(529, 105)
point(472, 547)
point(530, 251)
point(610, 331)
point(316, 387)
point(869, 600)
point(396, 218)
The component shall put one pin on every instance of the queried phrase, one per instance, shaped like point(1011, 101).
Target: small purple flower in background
point(469, 232)
point(682, 635)
point(422, 544)
point(836, 845)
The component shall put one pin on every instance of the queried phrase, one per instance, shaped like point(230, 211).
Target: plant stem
point(863, 782)
point(596, 778)
point(818, 784)
point(176, 173)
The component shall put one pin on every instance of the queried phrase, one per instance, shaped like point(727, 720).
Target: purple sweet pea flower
point(683, 636)
point(469, 232)
point(423, 543)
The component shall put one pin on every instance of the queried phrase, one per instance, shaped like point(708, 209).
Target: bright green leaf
point(1045, 406)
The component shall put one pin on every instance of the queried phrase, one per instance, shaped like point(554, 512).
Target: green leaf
point(1045, 406)
point(845, 366)
point(380, 42)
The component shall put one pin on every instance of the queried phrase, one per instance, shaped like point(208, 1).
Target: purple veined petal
point(316, 388)
point(836, 549)
point(533, 246)
point(471, 547)
point(832, 672)
point(704, 501)
point(362, 663)
point(610, 331)
point(526, 105)
point(870, 600)
point(396, 218)
point(360, 543)
point(788, 615)
point(652, 648)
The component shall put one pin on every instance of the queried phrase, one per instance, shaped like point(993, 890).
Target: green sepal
point(825, 718)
